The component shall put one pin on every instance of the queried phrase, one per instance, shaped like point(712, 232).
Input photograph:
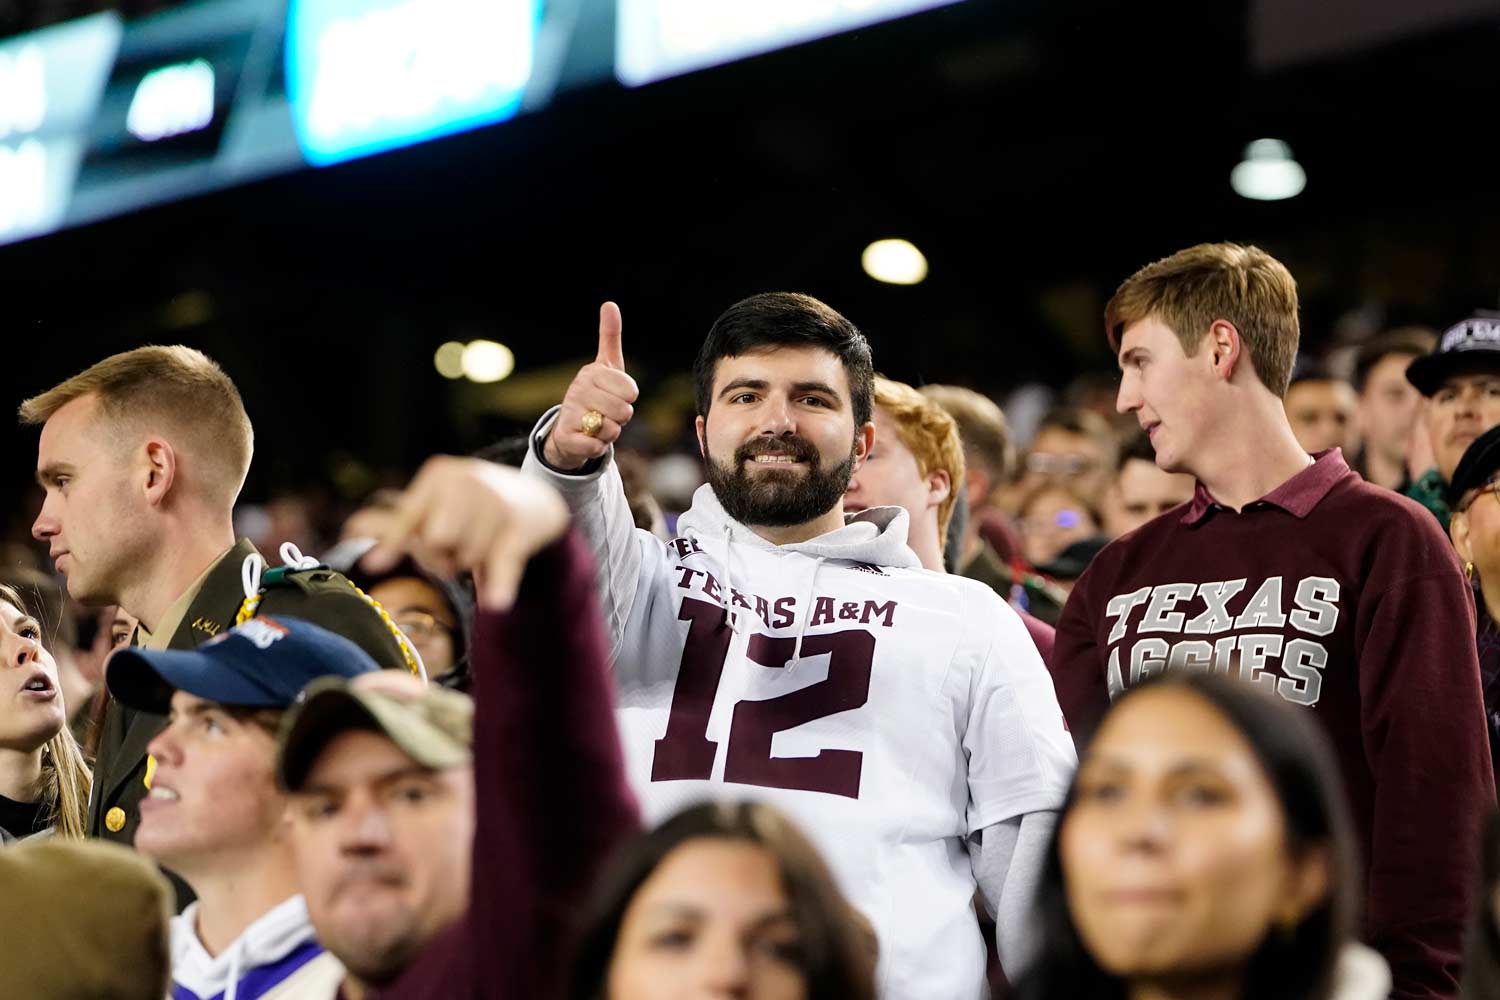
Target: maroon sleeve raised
point(551, 800)
point(1424, 735)
point(1077, 664)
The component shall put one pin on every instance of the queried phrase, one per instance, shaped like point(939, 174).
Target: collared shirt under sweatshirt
point(1345, 598)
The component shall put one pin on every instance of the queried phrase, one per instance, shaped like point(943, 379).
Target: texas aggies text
point(1288, 662)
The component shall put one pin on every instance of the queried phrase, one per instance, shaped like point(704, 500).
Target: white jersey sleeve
point(1021, 757)
point(596, 497)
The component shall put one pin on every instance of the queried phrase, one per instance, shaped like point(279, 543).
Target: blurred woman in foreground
point(724, 899)
point(1203, 854)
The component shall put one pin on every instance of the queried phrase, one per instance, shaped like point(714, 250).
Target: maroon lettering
point(762, 610)
point(686, 751)
point(711, 588)
point(885, 612)
point(684, 547)
point(783, 608)
point(687, 576)
point(748, 760)
point(822, 612)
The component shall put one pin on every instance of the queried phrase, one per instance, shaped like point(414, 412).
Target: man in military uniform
point(142, 457)
point(1461, 380)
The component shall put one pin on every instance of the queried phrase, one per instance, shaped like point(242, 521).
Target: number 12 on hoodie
point(686, 752)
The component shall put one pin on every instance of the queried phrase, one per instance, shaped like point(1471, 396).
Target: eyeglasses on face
point(421, 625)
point(1045, 464)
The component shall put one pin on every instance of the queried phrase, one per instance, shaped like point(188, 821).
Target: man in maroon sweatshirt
point(384, 783)
point(1290, 572)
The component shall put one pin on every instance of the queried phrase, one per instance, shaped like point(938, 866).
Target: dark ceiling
point(1037, 152)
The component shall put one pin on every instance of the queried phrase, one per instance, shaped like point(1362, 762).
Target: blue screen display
point(370, 75)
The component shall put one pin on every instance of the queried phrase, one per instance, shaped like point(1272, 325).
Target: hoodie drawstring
point(807, 613)
point(236, 953)
point(731, 614)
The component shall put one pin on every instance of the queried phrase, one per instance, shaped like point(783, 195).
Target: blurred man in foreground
point(444, 844)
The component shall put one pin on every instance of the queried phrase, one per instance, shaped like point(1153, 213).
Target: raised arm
point(551, 800)
point(571, 448)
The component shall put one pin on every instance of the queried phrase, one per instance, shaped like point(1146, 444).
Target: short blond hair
point(930, 434)
point(178, 384)
point(1191, 289)
point(981, 427)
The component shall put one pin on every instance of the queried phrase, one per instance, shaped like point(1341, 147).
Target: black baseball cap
point(1469, 346)
point(1480, 462)
point(263, 663)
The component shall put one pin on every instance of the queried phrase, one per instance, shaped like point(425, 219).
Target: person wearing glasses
point(1474, 497)
point(1073, 448)
point(434, 612)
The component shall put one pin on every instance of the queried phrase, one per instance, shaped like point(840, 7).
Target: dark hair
point(1311, 369)
point(1412, 340)
point(780, 319)
point(267, 720)
point(506, 451)
point(837, 943)
point(1084, 423)
point(1298, 762)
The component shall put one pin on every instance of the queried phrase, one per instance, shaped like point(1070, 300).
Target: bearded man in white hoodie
point(215, 815)
point(780, 651)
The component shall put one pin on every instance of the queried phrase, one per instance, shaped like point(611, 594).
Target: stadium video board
point(100, 116)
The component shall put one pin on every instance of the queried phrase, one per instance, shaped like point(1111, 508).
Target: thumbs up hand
point(600, 388)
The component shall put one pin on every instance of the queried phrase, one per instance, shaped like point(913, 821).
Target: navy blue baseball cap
point(264, 663)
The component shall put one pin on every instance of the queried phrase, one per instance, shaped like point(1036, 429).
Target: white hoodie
point(894, 713)
point(276, 958)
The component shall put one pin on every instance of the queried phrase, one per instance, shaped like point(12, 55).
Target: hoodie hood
point(271, 939)
point(876, 535)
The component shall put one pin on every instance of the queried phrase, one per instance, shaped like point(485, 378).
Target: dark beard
point(776, 498)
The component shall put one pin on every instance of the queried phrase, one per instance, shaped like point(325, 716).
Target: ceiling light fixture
point(1268, 172)
point(449, 360)
point(895, 262)
point(486, 361)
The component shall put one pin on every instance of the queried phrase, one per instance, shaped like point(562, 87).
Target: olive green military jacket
point(320, 596)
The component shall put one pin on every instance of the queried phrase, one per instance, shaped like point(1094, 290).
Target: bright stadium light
point(895, 262)
point(449, 360)
point(487, 361)
point(1268, 172)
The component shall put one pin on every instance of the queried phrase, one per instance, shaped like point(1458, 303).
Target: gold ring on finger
point(593, 422)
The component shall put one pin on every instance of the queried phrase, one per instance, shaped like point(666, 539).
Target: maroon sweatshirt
point(1346, 598)
point(551, 800)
